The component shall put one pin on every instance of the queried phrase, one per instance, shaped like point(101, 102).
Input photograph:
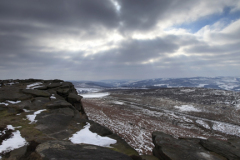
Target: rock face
point(47, 113)
point(169, 148)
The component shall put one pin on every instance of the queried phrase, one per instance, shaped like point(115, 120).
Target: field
point(182, 112)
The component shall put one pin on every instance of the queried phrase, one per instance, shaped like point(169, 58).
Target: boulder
point(59, 104)
point(148, 157)
point(56, 123)
point(229, 149)
point(63, 92)
point(38, 103)
point(12, 93)
point(53, 85)
point(36, 93)
point(122, 146)
point(43, 87)
point(170, 148)
point(65, 150)
point(75, 100)
point(100, 130)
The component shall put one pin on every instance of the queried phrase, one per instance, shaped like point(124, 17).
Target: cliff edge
point(45, 119)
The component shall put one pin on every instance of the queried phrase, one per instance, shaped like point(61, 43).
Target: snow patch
point(32, 117)
point(188, 90)
point(95, 95)
point(202, 85)
point(13, 102)
point(25, 110)
point(117, 102)
point(53, 96)
point(226, 128)
point(87, 90)
point(159, 85)
point(202, 123)
point(34, 85)
point(14, 142)
point(87, 137)
point(187, 108)
point(6, 104)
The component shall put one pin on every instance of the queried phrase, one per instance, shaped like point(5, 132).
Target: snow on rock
point(4, 103)
point(188, 108)
point(14, 142)
point(117, 102)
point(32, 117)
point(34, 85)
point(95, 95)
point(53, 96)
point(202, 123)
point(25, 110)
point(13, 102)
point(226, 128)
point(87, 137)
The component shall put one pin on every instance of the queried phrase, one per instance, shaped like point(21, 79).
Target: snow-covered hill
point(225, 83)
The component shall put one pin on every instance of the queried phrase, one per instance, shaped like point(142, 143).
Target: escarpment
point(46, 119)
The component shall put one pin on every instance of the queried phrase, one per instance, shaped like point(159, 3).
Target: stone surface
point(54, 85)
point(12, 93)
point(36, 93)
point(229, 149)
point(148, 157)
point(122, 146)
point(169, 148)
point(67, 151)
point(100, 130)
point(58, 104)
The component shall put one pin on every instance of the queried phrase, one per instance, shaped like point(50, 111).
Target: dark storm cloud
point(140, 50)
point(142, 14)
point(60, 12)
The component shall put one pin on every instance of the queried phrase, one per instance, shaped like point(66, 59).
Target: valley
point(181, 112)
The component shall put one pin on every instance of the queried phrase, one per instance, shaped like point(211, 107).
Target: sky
point(119, 39)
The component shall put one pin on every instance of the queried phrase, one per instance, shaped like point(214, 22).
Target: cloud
point(122, 39)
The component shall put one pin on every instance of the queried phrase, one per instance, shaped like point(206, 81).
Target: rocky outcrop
point(47, 113)
point(170, 148)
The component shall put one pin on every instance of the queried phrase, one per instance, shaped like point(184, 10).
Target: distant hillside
point(226, 83)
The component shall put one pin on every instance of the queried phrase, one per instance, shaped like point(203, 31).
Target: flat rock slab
point(67, 151)
point(55, 123)
point(36, 93)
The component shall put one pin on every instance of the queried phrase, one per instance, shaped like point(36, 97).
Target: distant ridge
point(223, 83)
